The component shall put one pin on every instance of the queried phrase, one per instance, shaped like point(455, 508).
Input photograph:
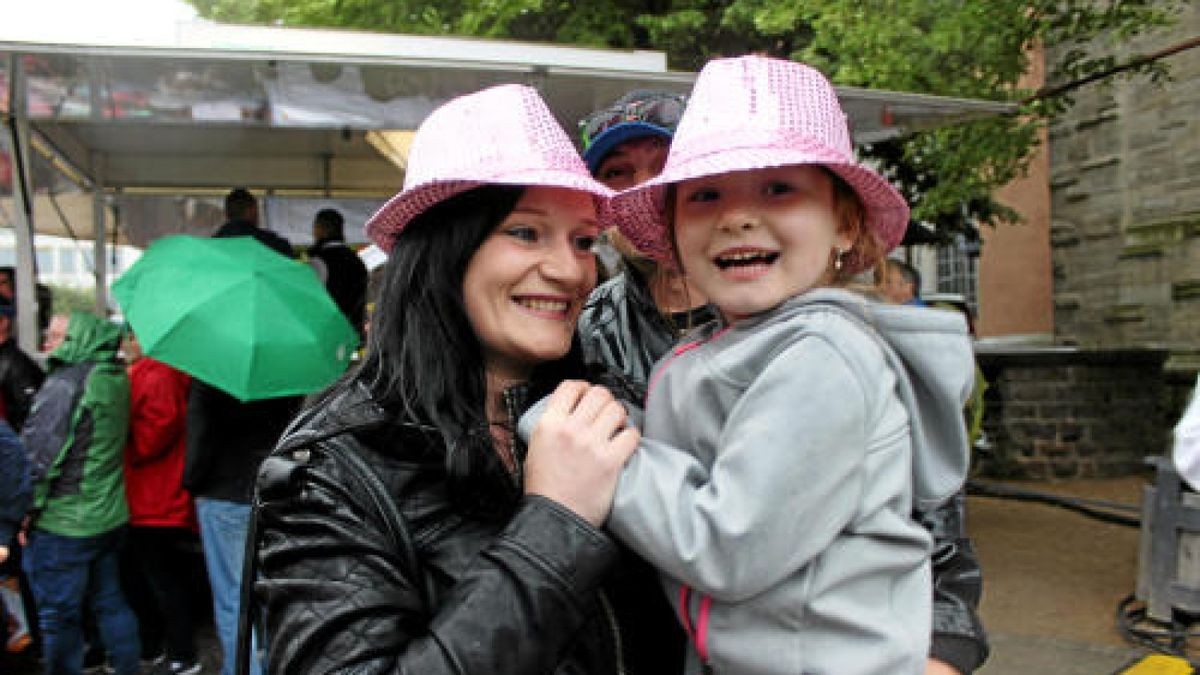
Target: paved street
point(1053, 579)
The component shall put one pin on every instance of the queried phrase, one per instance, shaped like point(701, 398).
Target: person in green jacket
point(75, 435)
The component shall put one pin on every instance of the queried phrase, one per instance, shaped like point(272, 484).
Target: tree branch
point(1058, 90)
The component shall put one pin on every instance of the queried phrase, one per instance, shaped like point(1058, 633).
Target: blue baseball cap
point(610, 138)
point(637, 114)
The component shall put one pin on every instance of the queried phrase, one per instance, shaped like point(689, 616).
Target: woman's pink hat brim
point(642, 211)
point(387, 223)
point(503, 135)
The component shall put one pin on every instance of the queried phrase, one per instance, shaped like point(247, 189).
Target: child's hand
point(578, 448)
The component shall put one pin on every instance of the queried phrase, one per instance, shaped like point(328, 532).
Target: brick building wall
point(1072, 413)
point(1125, 208)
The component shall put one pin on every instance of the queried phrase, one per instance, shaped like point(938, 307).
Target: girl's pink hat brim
point(730, 125)
point(642, 211)
point(503, 135)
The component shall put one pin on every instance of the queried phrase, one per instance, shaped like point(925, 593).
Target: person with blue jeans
point(223, 534)
point(14, 502)
point(75, 435)
point(62, 571)
point(226, 441)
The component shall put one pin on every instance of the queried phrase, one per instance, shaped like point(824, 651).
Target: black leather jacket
point(531, 589)
point(621, 328)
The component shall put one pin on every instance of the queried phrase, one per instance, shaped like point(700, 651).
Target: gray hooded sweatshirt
point(781, 459)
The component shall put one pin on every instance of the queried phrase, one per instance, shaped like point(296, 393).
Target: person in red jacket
point(162, 517)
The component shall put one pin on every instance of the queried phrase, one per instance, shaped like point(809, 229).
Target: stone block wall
point(1071, 413)
point(1125, 207)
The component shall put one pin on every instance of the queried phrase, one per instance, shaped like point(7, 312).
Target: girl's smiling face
point(526, 284)
point(752, 239)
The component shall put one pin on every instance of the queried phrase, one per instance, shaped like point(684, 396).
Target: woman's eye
point(522, 233)
point(703, 195)
point(779, 188)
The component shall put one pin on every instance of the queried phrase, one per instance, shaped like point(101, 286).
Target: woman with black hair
point(508, 570)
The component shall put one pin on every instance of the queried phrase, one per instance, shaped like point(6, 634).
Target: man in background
point(45, 299)
point(241, 220)
point(901, 283)
point(338, 267)
point(20, 376)
point(20, 379)
point(226, 441)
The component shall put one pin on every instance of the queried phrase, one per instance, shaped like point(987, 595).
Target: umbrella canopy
point(237, 315)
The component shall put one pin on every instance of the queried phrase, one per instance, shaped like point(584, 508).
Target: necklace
point(502, 437)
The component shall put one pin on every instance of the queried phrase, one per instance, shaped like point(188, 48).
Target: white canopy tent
point(155, 125)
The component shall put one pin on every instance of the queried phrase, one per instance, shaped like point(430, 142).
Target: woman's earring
point(838, 255)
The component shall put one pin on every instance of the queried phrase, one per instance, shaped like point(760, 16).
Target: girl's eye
point(585, 242)
point(522, 233)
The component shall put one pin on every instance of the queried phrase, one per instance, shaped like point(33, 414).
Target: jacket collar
point(354, 409)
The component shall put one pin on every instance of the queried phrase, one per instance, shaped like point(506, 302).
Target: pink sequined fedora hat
point(755, 112)
point(503, 135)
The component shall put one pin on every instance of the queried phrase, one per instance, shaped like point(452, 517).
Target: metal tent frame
point(290, 113)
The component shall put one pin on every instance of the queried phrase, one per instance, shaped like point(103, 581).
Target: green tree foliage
point(68, 299)
point(966, 48)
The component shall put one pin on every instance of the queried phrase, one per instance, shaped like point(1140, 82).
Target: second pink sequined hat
point(755, 112)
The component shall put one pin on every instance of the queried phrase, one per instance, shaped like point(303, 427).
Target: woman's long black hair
point(424, 363)
point(423, 359)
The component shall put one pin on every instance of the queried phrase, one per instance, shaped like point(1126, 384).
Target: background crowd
point(117, 468)
point(128, 458)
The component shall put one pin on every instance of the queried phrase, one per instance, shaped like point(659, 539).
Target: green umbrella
point(236, 315)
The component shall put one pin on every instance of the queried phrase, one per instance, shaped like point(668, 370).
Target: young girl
point(786, 445)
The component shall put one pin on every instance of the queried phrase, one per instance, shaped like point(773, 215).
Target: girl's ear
point(847, 236)
point(851, 228)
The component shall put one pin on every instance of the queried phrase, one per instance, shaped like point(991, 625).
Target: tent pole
point(26, 272)
point(100, 264)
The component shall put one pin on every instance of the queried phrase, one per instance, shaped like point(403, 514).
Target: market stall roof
point(195, 107)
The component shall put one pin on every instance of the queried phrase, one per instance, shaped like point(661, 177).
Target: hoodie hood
point(89, 338)
point(930, 352)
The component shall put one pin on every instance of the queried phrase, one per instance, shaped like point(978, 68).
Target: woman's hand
point(578, 448)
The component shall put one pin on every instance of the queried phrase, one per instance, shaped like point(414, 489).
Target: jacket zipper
point(611, 617)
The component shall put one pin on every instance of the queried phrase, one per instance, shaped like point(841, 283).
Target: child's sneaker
point(13, 611)
point(18, 639)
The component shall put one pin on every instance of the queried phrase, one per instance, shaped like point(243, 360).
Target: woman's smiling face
point(525, 286)
point(752, 239)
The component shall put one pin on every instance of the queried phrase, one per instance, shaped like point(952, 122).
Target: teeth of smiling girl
point(745, 257)
point(736, 257)
point(545, 305)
